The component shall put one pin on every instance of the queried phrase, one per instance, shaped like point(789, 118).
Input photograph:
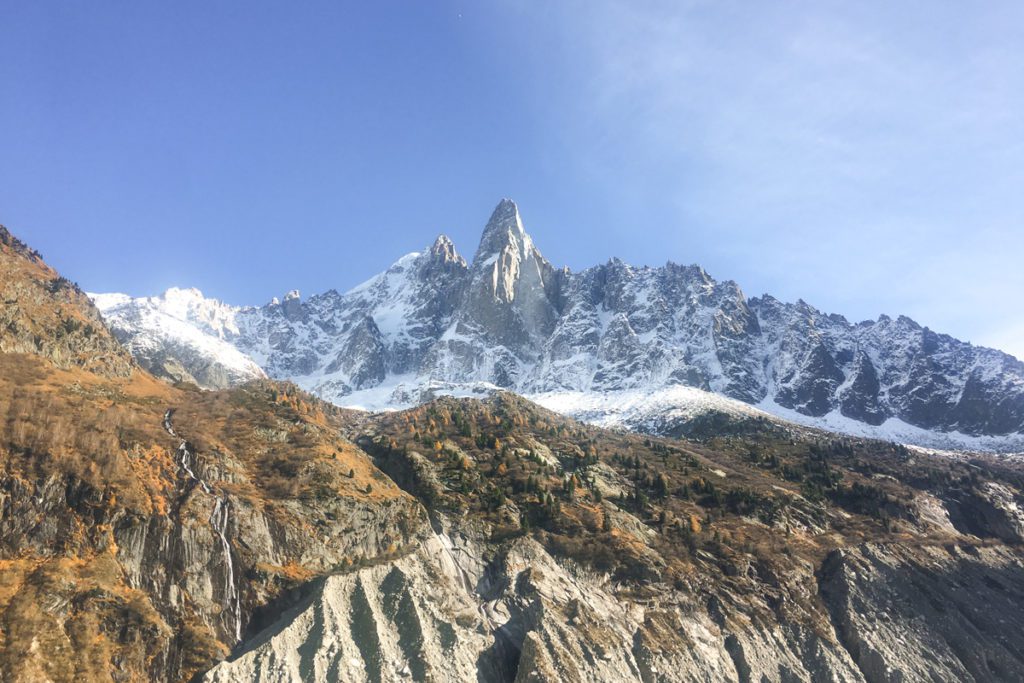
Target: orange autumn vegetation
point(31, 636)
point(45, 314)
point(103, 437)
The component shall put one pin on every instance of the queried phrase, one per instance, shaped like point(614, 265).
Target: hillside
point(129, 552)
point(46, 314)
point(563, 552)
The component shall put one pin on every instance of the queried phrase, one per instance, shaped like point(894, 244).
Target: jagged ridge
point(510, 319)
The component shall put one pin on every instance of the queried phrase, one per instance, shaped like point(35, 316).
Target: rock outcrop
point(456, 611)
point(926, 614)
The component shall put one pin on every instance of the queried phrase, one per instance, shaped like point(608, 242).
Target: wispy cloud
point(868, 157)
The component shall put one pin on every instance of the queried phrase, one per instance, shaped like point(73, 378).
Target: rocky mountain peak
point(513, 290)
point(292, 305)
point(504, 232)
point(507, 263)
point(511, 319)
point(443, 250)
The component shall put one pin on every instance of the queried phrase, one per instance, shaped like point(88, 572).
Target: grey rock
point(458, 610)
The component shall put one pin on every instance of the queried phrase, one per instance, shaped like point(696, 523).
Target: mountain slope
point(46, 314)
point(432, 322)
point(562, 552)
point(143, 526)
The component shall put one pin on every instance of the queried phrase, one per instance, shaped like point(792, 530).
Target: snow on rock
point(180, 335)
point(638, 347)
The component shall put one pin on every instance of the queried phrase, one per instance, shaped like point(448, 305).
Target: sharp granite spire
point(504, 229)
point(509, 294)
point(443, 251)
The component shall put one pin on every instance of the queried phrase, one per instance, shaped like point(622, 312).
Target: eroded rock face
point(394, 619)
point(456, 610)
point(927, 613)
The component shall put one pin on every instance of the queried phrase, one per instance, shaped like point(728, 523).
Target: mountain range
point(615, 344)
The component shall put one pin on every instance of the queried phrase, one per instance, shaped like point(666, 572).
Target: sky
point(866, 157)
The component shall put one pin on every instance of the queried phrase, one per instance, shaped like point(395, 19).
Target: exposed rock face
point(380, 623)
point(511, 286)
point(861, 400)
point(512, 320)
point(447, 613)
point(926, 614)
point(361, 357)
point(456, 611)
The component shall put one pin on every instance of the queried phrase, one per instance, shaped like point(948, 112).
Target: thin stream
point(219, 519)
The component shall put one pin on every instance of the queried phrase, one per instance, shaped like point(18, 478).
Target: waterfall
point(219, 518)
point(185, 458)
point(167, 423)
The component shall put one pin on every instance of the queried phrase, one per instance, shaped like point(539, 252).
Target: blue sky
point(866, 157)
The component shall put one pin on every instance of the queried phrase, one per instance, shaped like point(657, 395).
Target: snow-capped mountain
point(585, 343)
point(180, 335)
